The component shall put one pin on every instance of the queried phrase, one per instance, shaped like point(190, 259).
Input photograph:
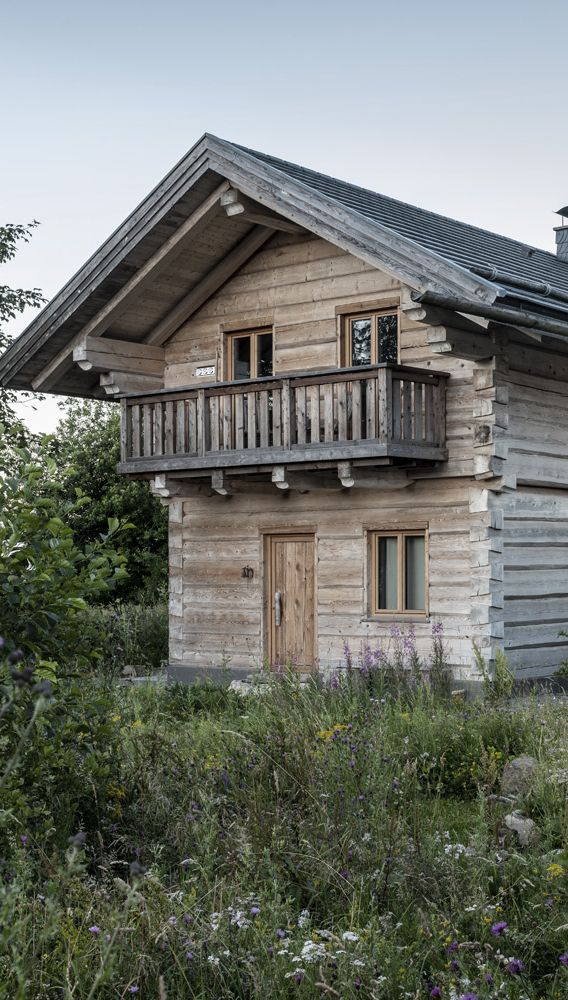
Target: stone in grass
point(518, 775)
point(525, 829)
point(132, 670)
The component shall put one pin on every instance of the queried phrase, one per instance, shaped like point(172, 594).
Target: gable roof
point(434, 255)
point(459, 242)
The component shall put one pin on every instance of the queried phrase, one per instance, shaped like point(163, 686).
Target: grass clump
point(334, 840)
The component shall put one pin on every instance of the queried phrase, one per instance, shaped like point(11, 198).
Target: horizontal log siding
point(222, 613)
point(535, 577)
point(295, 285)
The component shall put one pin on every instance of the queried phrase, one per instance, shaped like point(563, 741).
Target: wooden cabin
point(355, 410)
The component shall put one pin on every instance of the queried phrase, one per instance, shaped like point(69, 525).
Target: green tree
point(12, 302)
point(86, 450)
point(46, 578)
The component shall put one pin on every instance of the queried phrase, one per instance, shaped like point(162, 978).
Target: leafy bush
point(134, 634)
point(86, 450)
point(45, 577)
point(61, 758)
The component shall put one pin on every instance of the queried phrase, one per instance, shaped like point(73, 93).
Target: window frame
point(373, 314)
point(401, 534)
point(253, 334)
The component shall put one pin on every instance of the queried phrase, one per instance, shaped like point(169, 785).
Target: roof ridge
point(395, 201)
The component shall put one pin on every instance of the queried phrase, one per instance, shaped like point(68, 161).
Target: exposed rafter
point(209, 285)
point(50, 375)
point(237, 204)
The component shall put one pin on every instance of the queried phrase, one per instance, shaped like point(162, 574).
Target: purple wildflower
point(24, 839)
point(454, 966)
point(468, 996)
point(435, 991)
point(298, 976)
point(452, 947)
point(94, 929)
point(515, 966)
point(189, 956)
point(133, 989)
point(255, 910)
point(488, 978)
point(437, 629)
point(498, 928)
point(280, 933)
point(564, 959)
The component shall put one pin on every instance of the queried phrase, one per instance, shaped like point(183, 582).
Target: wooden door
point(290, 600)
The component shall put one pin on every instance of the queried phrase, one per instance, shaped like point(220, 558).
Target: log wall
point(218, 615)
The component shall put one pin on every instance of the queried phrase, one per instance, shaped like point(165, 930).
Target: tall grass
point(329, 840)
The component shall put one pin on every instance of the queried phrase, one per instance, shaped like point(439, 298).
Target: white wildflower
point(213, 960)
point(304, 917)
point(358, 963)
point(215, 920)
point(296, 972)
point(312, 951)
point(349, 936)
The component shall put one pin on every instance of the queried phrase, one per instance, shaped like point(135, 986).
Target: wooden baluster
point(202, 423)
point(214, 422)
point(169, 428)
point(180, 445)
point(418, 404)
point(407, 410)
point(251, 420)
point(371, 408)
point(429, 412)
point(125, 431)
point(136, 449)
point(226, 407)
point(192, 425)
point(439, 412)
point(147, 429)
point(327, 393)
point(158, 429)
point(263, 419)
point(276, 418)
point(342, 411)
point(396, 408)
point(314, 413)
point(239, 421)
point(286, 407)
point(356, 431)
point(384, 391)
point(300, 400)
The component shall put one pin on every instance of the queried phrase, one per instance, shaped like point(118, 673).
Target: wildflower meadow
point(334, 839)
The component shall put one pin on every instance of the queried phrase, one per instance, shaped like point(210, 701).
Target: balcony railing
point(380, 410)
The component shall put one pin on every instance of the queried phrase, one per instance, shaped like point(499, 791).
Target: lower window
point(398, 572)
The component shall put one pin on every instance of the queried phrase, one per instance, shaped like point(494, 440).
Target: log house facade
point(355, 411)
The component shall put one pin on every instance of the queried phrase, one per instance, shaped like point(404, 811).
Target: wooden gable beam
point(119, 383)
point(237, 204)
point(209, 285)
point(50, 375)
point(104, 354)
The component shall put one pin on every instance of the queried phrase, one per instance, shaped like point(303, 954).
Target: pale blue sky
point(459, 108)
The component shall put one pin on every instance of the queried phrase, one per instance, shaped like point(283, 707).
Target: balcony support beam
point(353, 477)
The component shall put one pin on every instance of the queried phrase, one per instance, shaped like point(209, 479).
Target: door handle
point(277, 608)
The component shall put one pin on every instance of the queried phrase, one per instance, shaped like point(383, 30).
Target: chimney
point(562, 234)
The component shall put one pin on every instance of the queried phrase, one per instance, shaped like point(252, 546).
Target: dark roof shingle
point(467, 245)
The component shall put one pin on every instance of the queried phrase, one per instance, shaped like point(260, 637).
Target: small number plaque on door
point(206, 370)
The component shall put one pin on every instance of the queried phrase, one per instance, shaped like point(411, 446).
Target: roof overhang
point(114, 277)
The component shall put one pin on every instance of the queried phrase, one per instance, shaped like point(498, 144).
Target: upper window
point(250, 355)
point(398, 572)
point(371, 339)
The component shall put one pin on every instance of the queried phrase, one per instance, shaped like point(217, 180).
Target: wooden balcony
point(381, 412)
